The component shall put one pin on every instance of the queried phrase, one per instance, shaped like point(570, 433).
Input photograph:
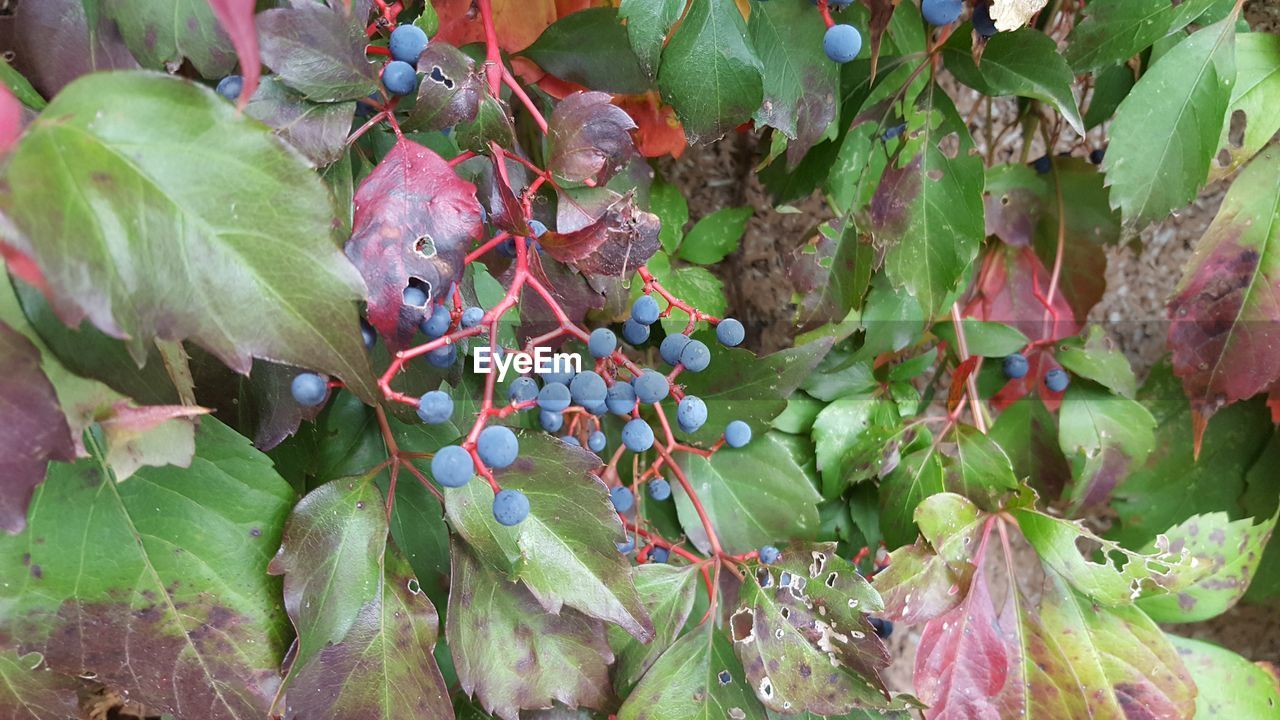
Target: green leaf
point(801, 84)
point(1024, 62)
point(855, 438)
point(1111, 86)
point(30, 692)
point(919, 476)
point(927, 209)
point(980, 470)
point(985, 338)
point(171, 218)
point(1260, 499)
point(753, 495)
point(667, 592)
point(1096, 358)
point(715, 236)
point(802, 410)
point(805, 612)
point(831, 273)
point(157, 586)
point(492, 123)
point(20, 87)
point(1115, 30)
point(648, 22)
point(1104, 437)
point(668, 203)
point(420, 532)
point(1166, 132)
point(1230, 549)
point(589, 47)
point(696, 285)
point(565, 551)
point(697, 678)
point(511, 654)
point(1256, 97)
point(930, 578)
point(710, 74)
point(318, 51)
point(1228, 686)
point(161, 34)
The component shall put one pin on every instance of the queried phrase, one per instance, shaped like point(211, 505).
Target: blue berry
point(510, 507)
point(659, 554)
point(696, 356)
point(842, 43)
point(497, 446)
point(1097, 155)
point(1014, 366)
point(596, 441)
point(435, 407)
point(571, 440)
point(230, 87)
point(537, 228)
point(769, 554)
point(508, 247)
point(737, 434)
point(554, 397)
point(588, 389)
point(1057, 380)
point(637, 435)
point(691, 413)
point(602, 342)
point(399, 78)
point(982, 22)
point(407, 43)
point(309, 389)
point(626, 548)
point(634, 332)
point(437, 323)
point(621, 399)
point(659, 489)
point(472, 316)
point(883, 628)
point(645, 310)
point(651, 387)
point(414, 296)
point(893, 132)
point(561, 371)
point(941, 12)
point(730, 332)
point(551, 421)
point(452, 466)
point(621, 498)
point(671, 347)
point(368, 334)
point(443, 356)
point(1042, 164)
point(523, 389)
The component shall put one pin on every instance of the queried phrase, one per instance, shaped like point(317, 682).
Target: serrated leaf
point(1225, 308)
point(449, 92)
point(511, 654)
point(925, 580)
point(1165, 133)
point(602, 232)
point(1024, 62)
point(156, 586)
point(710, 73)
point(589, 47)
point(715, 236)
point(801, 631)
point(1231, 550)
point(492, 124)
point(801, 84)
point(1104, 437)
point(697, 678)
point(565, 551)
point(985, 338)
point(1115, 30)
point(980, 469)
point(1255, 101)
point(648, 22)
point(855, 438)
point(753, 495)
point(589, 138)
point(667, 592)
point(1228, 685)
point(317, 130)
point(162, 34)
point(415, 219)
point(317, 50)
point(170, 218)
point(1097, 359)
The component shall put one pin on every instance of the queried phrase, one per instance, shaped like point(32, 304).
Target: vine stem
point(971, 382)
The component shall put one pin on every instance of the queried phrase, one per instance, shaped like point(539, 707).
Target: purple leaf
point(608, 234)
point(589, 138)
point(317, 130)
point(449, 92)
point(54, 45)
point(318, 51)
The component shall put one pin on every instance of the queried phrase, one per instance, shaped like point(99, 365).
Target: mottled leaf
point(589, 138)
point(415, 221)
point(30, 691)
point(1115, 30)
point(1255, 102)
point(317, 50)
point(925, 580)
point(590, 48)
point(832, 272)
point(603, 234)
point(449, 92)
point(801, 84)
point(667, 592)
point(648, 22)
point(162, 34)
point(1024, 62)
point(1104, 437)
point(157, 223)
point(697, 678)
point(317, 130)
point(1228, 685)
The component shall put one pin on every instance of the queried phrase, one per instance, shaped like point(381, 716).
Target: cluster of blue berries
point(1015, 367)
point(400, 76)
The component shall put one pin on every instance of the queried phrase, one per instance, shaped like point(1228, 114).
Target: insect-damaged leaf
point(513, 655)
point(449, 91)
point(415, 220)
point(589, 138)
point(603, 233)
point(697, 678)
point(1226, 311)
point(927, 579)
point(317, 50)
point(182, 240)
point(33, 429)
point(157, 586)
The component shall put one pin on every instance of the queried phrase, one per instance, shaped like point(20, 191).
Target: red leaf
point(10, 119)
point(24, 268)
point(236, 17)
point(1010, 287)
point(605, 235)
point(589, 138)
point(658, 131)
point(33, 429)
point(415, 220)
point(958, 380)
point(517, 22)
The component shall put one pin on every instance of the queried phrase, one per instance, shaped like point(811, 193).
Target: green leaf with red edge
point(1225, 310)
point(29, 691)
point(801, 84)
point(1025, 63)
point(236, 19)
point(33, 429)
point(697, 678)
point(565, 551)
point(156, 586)
point(601, 232)
point(449, 92)
point(931, 577)
point(317, 130)
point(511, 654)
point(710, 73)
point(648, 22)
point(415, 221)
point(801, 631)
point(318, 51)
point(667, 592)
point(162, 34)
point(588, 138)
point(1227, 685)
point(166, 219)
point(590, 48)
point(753, 496)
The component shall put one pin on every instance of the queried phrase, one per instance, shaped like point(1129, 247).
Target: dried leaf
point(1009, 15)
point(606, 234)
